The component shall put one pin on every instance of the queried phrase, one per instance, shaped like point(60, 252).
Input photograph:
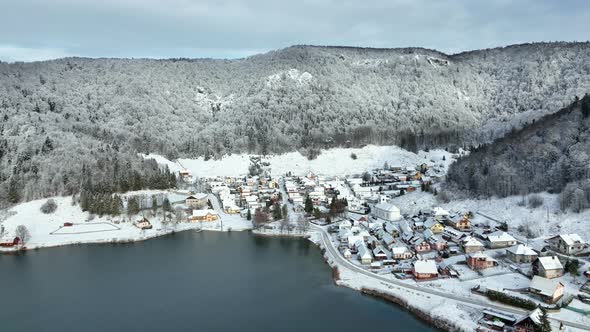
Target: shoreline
point(418, 313)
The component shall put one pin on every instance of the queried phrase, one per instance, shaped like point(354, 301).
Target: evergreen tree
point(132, 206)
point(285, 210)
point(166, 205)
point(249, 215)
point(545, 325)
point(154, 204)
point(308, 205)
point(276, 212)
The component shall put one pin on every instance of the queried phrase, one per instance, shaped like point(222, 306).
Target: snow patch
point(300, 78)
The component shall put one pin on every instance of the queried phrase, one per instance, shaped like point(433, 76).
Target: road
point(329, 246)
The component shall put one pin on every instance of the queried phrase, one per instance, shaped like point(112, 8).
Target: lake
point(187, 282)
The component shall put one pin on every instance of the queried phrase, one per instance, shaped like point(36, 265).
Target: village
point(436, 248)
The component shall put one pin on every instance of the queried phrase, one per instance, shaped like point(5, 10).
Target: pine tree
point(154, 204)
point(132, 206)
point(166, 205)
point(544, 320)
point(277, 212)
point(249, 215)
point(308, 205)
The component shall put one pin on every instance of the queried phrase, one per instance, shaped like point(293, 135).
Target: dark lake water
point(186, 282)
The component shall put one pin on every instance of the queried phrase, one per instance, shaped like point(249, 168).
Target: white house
point(501, 240)
point(387, 211)
point(568, 244)
point(365, 255)
point(439, 213)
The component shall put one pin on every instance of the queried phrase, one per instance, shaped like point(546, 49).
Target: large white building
point(387, 211)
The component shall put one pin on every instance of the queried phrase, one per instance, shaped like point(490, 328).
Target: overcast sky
point(44, 29)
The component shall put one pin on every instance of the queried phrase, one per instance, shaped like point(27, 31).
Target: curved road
point(465, 300)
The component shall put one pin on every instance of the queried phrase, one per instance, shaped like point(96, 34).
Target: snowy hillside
point(61, 116)
point(330, 162)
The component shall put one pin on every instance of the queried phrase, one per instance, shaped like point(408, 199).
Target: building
point(521, 254)
point(435, 226)
point(380, 253)
point(203, 215)
point(529, 323)
point(9, 242)
point(425, 270)
point(480, 261)
point(550, 291)
point(548, 267)
point(387, 211)
point(461, 223)
point(196, 201)
point(567, 244)
point(439, 213)
point(143, 223)
point(471, 245)
point(400, 252)
point(364, 255)
point(501, 240)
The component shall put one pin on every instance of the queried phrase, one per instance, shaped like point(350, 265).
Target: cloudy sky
point(45, 29)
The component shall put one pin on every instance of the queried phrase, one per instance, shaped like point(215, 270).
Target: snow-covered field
point(331, 162)
point(47, 230)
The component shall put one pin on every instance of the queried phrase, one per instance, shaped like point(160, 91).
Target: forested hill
point(299, 98)
point(551, 154)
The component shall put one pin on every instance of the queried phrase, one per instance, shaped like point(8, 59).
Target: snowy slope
point(329, 162)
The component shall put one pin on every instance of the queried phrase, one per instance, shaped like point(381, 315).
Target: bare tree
point(302, 224)
point(260, 218)
point(23, 233)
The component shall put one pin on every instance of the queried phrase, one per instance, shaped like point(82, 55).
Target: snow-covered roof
point(387, 207)
point(550, 263)
point(470, 241)
point(438, 211)
point(571, 239)
point(425, 267)
point(481, 255)
point(522, 250)
point(544, 286)
point(399, 250)
point(501, 236)
point(363, 252)
point(535, 316)
point(202, 213)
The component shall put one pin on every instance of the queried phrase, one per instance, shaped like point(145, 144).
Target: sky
point(33, 30)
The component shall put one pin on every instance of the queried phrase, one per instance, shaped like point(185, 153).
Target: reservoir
point(188, 281)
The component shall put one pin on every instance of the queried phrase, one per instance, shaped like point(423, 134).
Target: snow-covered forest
point(552, 154)
point(60, 116)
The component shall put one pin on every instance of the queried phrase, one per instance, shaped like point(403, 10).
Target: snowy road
point(329, 246)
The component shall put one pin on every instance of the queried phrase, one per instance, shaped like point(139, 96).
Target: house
point(143, 223)
point(567, 244)
point(548, 267)
point(203, 215)
point(437, 243)
point(452, 234)
point(8, 242)
point(433, 225)
point(364, 255)
point(387, 239)
point(550, 291)
point(471, 245)
point(480, 261)
point(387, 211)
point(461, 223)
point(391, 228)
point(196, 201)
point(380, 253)
point(521, 254)
point(529, 323)
point(500, 239)
point(439, 213)
point(496, 320)
point(421, 245)
point(425, 270)
point(400, 252)
point(347, 254)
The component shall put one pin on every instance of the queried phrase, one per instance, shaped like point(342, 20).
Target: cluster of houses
point(383, 184)
point(319, 189)
point(429, 245)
